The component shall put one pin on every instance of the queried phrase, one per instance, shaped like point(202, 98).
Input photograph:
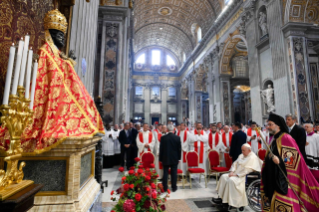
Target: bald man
point(231, 187)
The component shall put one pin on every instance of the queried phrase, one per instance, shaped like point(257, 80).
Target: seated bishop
point(62, 106)
point(231, 186)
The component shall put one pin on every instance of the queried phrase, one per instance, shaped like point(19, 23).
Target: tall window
point(170, 61)
point(141, 59)
point(156, 57)
point(199, 34)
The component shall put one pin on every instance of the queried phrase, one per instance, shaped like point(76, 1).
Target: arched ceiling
point(168, 23)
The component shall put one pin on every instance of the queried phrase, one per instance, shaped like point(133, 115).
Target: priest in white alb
point(214, 139)
point(199, 143)
point(253, 138)
point(145, 140)
point(312, 146)
point(158, 135)
point(231, 186)
point(184, 137)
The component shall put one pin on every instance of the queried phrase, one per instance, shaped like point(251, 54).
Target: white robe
point(156, 152)
point(108, 143)
point(254, 142)
point(220, 146)
point(185, 148)
point(312, 149)
point(141, 144)
point(232, 189)
point(200, 139)
point(117, 145)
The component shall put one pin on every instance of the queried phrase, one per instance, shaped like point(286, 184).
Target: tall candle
point(17, 68)
point(24, 59)
point(28, 77)
point(5, 100)
point(34, 78)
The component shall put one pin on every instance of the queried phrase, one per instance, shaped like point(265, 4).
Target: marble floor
point(182, 200)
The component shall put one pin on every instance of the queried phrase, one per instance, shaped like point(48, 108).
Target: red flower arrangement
point(139, 191)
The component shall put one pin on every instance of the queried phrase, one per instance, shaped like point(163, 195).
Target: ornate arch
point(305, 11)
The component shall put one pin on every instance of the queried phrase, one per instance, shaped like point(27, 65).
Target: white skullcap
point(247, 145)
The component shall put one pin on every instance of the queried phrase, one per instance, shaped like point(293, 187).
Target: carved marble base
point(75, 160)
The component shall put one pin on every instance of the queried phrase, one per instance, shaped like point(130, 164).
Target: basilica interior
point(152, 61)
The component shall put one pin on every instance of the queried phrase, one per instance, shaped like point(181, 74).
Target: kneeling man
point(231, 187)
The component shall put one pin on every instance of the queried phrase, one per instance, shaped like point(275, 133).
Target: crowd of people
point(241, 142)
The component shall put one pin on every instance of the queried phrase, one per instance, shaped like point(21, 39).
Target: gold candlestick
point(16, 117)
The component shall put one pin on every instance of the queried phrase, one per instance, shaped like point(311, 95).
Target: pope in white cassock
point(312, 145)
point(145, 140)
point(231, 187)
point(198, 142)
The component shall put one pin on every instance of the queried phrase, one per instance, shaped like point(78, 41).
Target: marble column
point(226, 100)
point(216, 89)
point(208, 64)
point(164, 103)
point(179, 103)
point(147, 104)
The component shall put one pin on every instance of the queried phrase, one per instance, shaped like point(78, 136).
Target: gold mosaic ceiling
point(168, 23)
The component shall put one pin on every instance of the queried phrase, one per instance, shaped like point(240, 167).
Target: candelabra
point(16, 117)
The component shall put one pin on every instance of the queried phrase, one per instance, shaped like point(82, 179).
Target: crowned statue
point(62, 106)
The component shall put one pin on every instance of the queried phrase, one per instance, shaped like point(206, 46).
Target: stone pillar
point(147, 104)
point(191, 98)
point(216, 89)
point(226, 100)
point(198, 112)
point(208, 66)
point(179, 103)
point(164, 103)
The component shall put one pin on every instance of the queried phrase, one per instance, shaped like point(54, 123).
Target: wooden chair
point(192, 161)
point(214, 168)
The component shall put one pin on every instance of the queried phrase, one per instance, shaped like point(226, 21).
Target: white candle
point(24, 59)
point(34, 79)
point(17, 68)
point(5, 100)
point(28, 77)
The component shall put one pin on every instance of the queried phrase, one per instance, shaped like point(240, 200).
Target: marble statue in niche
point(263, 23)
point(268, 98)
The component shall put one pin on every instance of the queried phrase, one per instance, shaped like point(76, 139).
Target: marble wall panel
point(86, 167)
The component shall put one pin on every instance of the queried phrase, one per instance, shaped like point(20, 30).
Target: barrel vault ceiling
point(171, 23)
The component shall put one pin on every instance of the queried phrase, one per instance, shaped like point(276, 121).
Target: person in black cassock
point(239, 138)
point(298, 133)
point(272, 178)
point(125, 139)
point(169, 155)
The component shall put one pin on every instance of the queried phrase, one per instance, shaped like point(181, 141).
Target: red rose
point(132, 168)
point(112, 211)
point(140, 171)
point(123, 178)
point(149, 174)
point(137, 159)
point(163, 207)
point(126, 187)
point(154, 196)
point(148, 169)
point(121, 195)
point(138, 197)
point(147, 189)
point(160, 185)
point(154, 171)
point(112, 192)
point(168, 191)
point(153, 185)
point(136, 174)
point(121, 169)
point(132, 186)
point(152, 165)
point(147, 178)
point(131, 172)
point(157, 176)
point(162, 190)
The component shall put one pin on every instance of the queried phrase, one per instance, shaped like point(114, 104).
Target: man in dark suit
point(298, 133)
point(169, 155)
point(239, 138)
point(134, 149)
point(126, 142)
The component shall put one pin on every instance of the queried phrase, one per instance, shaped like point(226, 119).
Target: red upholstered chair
point(214, 168)
point(147, 159)
point(228, 160)
point(261, 154)
point(192, 161)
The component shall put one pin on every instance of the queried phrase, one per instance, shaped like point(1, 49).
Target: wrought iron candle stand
point(16, 117)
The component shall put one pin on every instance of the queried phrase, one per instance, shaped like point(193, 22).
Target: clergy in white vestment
point(199, 143)
point(145, 140)
point(214, 139)
point(158, 135)
point(231, 186)
point(184, 137)
point(117, 145)
point(253, 138)
point(108, 147)
point(226, 137)
point(312, 146)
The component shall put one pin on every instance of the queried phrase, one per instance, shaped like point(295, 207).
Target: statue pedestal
point(21, 201)
point(67, 173)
